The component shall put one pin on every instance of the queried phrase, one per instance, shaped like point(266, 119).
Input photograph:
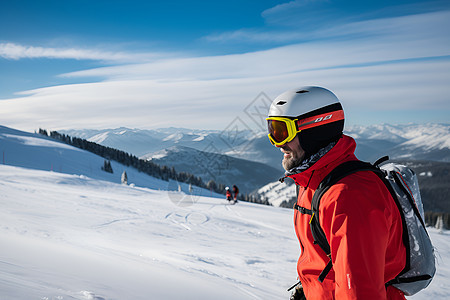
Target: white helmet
point(297, 102)
point(318, 111)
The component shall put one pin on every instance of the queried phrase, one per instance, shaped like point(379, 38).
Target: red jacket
point(363, 227)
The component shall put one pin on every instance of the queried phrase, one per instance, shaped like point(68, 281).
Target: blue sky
point(200, 64)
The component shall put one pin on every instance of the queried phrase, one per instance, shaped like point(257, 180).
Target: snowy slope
point(277, 192)
point(38, 152)
point(70, 231)
point(72, 237)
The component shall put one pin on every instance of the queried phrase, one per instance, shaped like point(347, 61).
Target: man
point(358, 215)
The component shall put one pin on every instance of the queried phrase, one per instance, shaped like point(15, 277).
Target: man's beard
point(291, 162)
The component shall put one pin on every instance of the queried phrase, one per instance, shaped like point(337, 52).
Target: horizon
point(147, 65)
point(347, 127)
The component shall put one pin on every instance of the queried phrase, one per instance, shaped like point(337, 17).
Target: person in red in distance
point(357, 214)
point(235, 192)
point(228, 194)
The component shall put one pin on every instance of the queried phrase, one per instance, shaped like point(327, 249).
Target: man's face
point(293, 154)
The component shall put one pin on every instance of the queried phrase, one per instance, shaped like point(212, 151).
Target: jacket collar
point(342, 151)
point(307, 163)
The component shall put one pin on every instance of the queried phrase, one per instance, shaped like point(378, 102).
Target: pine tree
point(107, 167)
point(124, 178)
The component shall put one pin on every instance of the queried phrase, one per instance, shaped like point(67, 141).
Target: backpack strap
point(332, 178)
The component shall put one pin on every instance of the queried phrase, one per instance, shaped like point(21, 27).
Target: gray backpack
point(402, 183)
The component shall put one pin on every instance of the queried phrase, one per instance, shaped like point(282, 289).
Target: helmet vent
point(281, 102)
point(301, 92)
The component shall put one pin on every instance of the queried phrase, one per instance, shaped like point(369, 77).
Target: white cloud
point(398, 64)
point(375, 47)
point(15, 52)
point(416, 26)
point(294, 11)
point(215, 103)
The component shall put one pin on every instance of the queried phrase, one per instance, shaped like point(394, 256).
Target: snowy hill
point(39, 152)
point(246, 174)
point(70, 237)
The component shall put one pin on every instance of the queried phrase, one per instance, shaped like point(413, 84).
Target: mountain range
point(250, 161)
point(412, 142)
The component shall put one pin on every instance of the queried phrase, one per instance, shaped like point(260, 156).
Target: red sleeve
point(356, 221)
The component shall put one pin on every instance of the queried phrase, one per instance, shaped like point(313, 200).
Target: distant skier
point(228, 194)
point(235, 192)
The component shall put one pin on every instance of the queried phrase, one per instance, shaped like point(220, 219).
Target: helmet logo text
point(323, 118)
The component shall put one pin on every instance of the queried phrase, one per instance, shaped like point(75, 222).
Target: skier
point(228, 194)
point(235, 192)
point(358, 215)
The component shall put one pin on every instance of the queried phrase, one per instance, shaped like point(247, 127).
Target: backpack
point(402, 184)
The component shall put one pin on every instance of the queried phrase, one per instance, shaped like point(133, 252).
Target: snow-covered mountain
point(246, 174)
point(400, 142)
point(144, 143)
point(413, 141)
point(403, 142)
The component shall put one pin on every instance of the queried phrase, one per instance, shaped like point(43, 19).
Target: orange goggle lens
point(278, 130)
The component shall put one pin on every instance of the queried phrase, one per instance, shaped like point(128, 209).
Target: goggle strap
point(321, 119)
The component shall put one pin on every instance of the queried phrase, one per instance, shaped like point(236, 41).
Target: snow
point(277, 192)
point(63, 235)
point(428, 174)
point(427, 136)
point(83, 235)
point(174, 137)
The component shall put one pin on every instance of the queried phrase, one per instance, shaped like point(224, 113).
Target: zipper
point(296, 212)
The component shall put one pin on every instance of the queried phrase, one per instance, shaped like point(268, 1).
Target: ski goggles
point(282, 130)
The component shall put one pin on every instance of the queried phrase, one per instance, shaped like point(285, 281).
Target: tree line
point(145, 166)
point(440, 220)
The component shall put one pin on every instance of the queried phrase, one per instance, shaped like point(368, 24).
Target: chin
point(287, 164)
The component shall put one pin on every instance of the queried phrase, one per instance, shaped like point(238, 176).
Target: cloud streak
point(413, 26)
point(382, 41)
point(214, 103)
point(15, 52)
